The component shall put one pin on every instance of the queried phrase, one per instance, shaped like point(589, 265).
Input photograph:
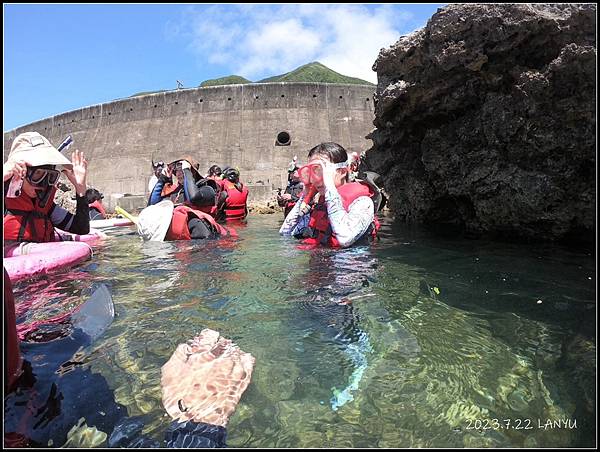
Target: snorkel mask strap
point(44, 195)
point(341, 165)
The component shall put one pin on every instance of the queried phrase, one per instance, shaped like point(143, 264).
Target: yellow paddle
point(126, 214)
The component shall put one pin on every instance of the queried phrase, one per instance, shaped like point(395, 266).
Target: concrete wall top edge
point(187, 91)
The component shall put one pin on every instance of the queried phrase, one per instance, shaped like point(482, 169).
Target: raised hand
point(329, 171)
point(205, 378)
point(16, 169)
point(78, 174)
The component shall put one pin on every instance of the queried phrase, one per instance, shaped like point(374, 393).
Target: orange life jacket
point(178, 230)
point(26, 221)
point(99, 207)
point(173, 191)
point(319, 221)
point(235, 204)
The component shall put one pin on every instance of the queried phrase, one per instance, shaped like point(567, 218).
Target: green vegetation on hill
point(143, 93)
point(312, 72)
point(229, 80)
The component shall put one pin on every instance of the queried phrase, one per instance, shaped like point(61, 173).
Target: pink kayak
point(93, 236)
point(28, 260)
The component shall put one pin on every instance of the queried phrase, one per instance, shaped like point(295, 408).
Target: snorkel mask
point(175, 166)
point(312, 173)
point(44, 177)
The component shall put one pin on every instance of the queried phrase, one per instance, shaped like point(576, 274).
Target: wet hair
point(232, 175)
point(333, 151)
point(92, 195)
point(214, 170)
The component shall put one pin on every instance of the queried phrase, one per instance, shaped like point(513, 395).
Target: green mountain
point(143, 93)
point(314, 72)
point(311, 72)
point(229, 80)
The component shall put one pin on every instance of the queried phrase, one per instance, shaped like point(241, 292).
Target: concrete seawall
point(236, 125)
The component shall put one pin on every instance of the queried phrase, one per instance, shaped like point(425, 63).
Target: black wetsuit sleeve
point(195, 435)
point(127, 433)
point(199, 193)
point(200, 229)
point(75, 224)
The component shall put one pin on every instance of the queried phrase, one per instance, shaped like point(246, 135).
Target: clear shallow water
point(413, 342)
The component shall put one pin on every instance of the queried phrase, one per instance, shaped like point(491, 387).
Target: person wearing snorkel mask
point(157, 169)
point(233, 198)
point(170, 183)
point(30, 181)
point(293, 190)
point(191, 210)
point(94, 199)
point(344, 212)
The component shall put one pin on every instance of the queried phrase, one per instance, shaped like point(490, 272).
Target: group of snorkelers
point(328, 205)
point(183, 204)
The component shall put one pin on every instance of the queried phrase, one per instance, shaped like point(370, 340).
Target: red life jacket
point(178, 230)
point(99, 207)
point(211, 210)
point(289, 205)
point(218, 180)
point(26, 221)
point(235, 204)
point(319, 221)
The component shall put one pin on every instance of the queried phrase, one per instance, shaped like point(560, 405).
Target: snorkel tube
point(44, 195)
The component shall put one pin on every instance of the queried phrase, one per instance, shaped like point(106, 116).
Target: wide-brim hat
point(35, 150)
point(154, 221)
point(195, 165)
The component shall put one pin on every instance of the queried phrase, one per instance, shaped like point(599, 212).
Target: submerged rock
point(485, 121)
point(83, 436)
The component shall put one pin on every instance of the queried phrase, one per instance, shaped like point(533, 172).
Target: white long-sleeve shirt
point(152, 182)
point(348, 226)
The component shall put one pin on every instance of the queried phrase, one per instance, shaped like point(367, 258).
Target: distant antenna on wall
point(179, 84)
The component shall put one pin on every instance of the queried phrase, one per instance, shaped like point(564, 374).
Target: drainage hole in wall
point(283, 139)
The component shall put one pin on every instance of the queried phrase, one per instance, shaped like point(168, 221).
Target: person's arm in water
point(350, 225)
point(187, 390)
point(200, 229)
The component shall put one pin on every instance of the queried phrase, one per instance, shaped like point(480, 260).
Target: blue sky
point(63, 57)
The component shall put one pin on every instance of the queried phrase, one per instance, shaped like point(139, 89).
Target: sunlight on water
point(413, 342)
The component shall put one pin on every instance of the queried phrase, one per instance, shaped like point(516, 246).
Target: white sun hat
point(35, 150)
point(154, 221)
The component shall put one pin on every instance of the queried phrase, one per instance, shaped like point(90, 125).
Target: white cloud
point(258, 41)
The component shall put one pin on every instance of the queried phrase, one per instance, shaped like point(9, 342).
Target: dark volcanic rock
point(485, 121)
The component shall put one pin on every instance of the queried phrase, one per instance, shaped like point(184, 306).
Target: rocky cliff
point(485, 121)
